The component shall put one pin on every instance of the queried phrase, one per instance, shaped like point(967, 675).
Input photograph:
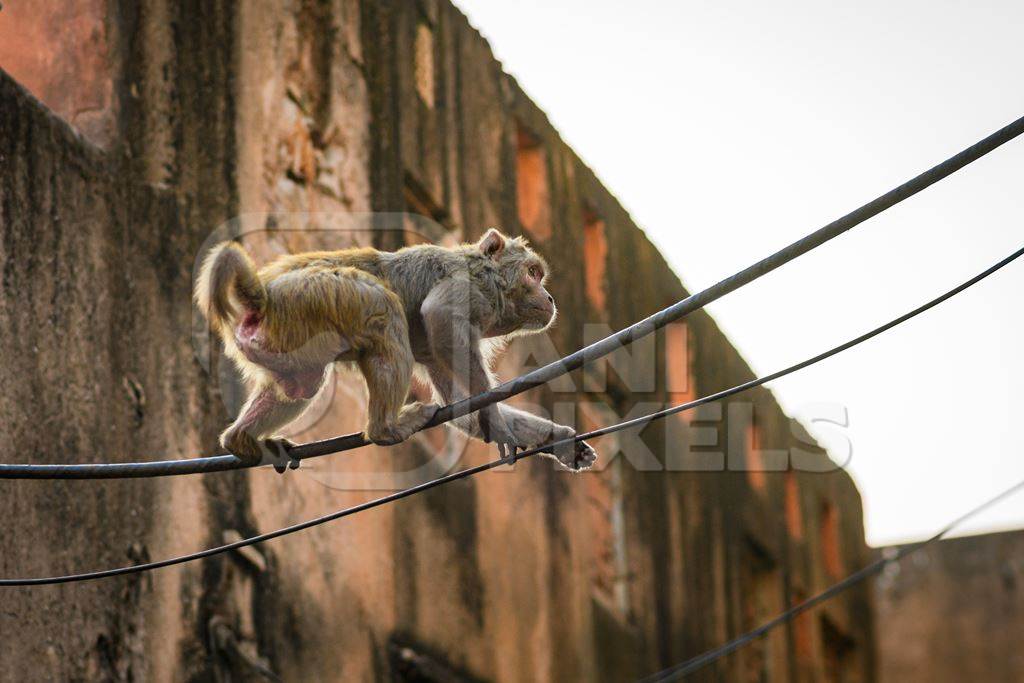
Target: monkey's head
point(525, 305)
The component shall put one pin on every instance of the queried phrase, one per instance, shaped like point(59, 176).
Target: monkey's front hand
point(575, 456)
point(584, 457)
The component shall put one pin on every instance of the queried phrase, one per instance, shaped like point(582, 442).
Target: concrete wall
point(954, 611)
point(296, 120)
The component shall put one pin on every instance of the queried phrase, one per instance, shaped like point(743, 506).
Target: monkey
point(439, 309)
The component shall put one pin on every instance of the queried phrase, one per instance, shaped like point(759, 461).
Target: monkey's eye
point(536, 272)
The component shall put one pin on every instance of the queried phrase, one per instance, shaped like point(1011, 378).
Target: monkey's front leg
point(517, 429)
point(250, 436)
point(531, 430)
point(457, 368)
point(388, 373)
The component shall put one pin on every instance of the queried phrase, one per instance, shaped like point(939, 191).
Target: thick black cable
point(462, 474)
point(558, 368)
point(700, 661)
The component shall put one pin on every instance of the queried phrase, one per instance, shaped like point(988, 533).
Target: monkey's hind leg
point(388, 376)
point(390, 421)
point(250, 436)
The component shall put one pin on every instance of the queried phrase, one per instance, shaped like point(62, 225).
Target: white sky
point(729, 129)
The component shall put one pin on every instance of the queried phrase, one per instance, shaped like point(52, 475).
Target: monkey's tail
point(228, 276)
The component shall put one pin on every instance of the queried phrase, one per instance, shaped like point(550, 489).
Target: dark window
point(794, 513)
point(532, 195)
point(802, 632)
point(829, 533)
point(595, 259)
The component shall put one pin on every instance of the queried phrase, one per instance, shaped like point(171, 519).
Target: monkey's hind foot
point(409, 421)
point(253, 452)
point(278, 452)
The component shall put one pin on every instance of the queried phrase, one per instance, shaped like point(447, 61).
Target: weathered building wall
point(94, 320)
point(301, 118)
point(953, 611)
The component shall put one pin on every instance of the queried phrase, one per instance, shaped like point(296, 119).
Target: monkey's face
point(537, 308)
point(526, 305)
point(529, 307)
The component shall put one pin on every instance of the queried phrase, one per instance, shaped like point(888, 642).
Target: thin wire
point(462, 474)
point(700, 661)
point(558, 368)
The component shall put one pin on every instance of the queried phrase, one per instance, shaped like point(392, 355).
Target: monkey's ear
point(491, 243)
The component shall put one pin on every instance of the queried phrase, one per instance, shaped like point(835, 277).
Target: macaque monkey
point(385, 311)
